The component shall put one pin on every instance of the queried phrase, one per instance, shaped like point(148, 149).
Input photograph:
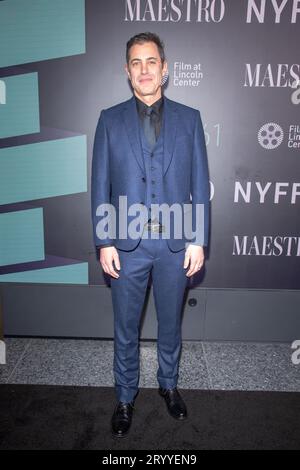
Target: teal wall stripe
point(35, 30)
point(70, 274)
point(20, 113)
point(21, 236)
point(43, 169)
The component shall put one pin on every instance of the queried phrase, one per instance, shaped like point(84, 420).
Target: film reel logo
point(165, 78)
point(270, 135)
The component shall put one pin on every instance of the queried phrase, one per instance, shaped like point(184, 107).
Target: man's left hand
point(194, 255)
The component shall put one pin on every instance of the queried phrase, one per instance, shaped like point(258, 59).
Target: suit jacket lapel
point(170, 129)
point(131, 120)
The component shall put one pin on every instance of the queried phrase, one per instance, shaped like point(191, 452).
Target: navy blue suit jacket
point(118, 167)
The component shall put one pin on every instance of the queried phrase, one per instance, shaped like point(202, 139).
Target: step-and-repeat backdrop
point(237, 61)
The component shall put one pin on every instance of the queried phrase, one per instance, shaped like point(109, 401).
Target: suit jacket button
point(144, 179)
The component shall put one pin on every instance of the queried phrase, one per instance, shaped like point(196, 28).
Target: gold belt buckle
point(155, 226)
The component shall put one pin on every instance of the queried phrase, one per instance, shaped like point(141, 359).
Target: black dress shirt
point(156, 116)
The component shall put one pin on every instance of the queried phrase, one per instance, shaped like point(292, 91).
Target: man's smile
point(142, 80)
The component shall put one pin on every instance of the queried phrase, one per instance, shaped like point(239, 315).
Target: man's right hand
point(108, 255)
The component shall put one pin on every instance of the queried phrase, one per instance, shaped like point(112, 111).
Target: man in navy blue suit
point(148, 151)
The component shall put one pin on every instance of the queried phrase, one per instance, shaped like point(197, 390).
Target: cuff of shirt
point(104, 245)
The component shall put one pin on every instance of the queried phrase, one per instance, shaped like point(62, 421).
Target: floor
point(47, 417)
point(203, 365)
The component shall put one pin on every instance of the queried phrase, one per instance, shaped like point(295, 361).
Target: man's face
point(145, 69)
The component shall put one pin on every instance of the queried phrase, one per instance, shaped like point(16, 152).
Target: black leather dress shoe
point(121, 418)
point(175, 404)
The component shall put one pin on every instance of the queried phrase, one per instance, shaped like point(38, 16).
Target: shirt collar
point(157, 106)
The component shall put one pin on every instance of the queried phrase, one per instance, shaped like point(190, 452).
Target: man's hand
point(108, 255)
point(194, 255)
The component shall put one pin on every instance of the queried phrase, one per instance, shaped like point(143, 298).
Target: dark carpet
point(63, 417)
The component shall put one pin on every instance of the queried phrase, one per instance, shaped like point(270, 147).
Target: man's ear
point(165, 68)
point(127, 71)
